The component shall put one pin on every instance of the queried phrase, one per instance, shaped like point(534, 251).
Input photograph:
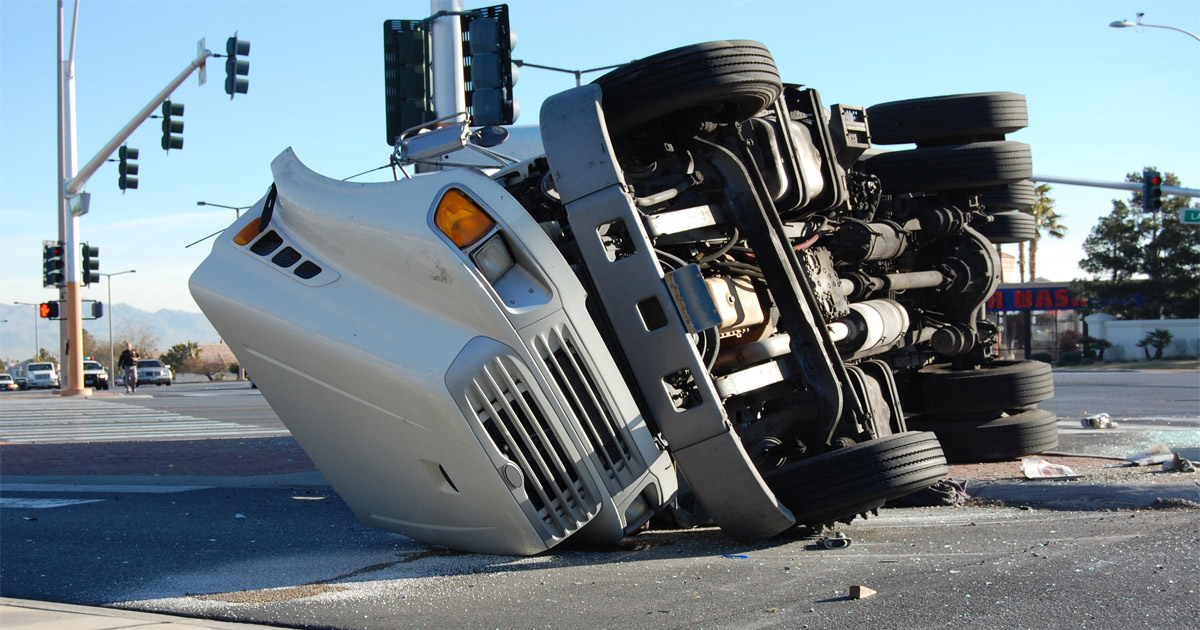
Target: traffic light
point(1151, 191)
point(52, 264)
point(172, 129)
point(91, 263)
point(49, 310)
point(407, 76)
point(128, 168)
point(488, 68)
point(236, 68)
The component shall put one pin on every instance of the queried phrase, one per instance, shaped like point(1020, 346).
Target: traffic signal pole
point(449, 96)
point(1097, 183)
point(72, 201)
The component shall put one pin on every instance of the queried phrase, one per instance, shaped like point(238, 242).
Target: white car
point(153, 372)
point(7, 383)
point(94, 375)
point(41, 375)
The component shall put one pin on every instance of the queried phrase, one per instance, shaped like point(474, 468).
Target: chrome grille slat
point(518, 427)
point(577, 389)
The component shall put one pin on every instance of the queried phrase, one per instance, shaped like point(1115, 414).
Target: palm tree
point(1044, 219)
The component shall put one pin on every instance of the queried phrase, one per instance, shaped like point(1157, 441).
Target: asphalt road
point(287, 551)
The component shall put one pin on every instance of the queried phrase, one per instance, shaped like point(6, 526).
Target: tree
point(139, 336)
point(1144, 265)
point(210, 368)
point(93, 348)
point(1159, 339)
point(1046, 220)
point(179, 354)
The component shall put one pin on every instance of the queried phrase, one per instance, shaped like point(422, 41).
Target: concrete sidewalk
point(30, 615)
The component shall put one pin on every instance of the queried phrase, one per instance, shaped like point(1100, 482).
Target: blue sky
point(1103, 102)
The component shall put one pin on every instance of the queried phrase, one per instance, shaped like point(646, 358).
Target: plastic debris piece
point(239, 516)
point(1156, 455)
point(837, 540)
point(734, 555)
point(1178, 464)
point(1098, 421)
point(1035, 467)
point(861, 592)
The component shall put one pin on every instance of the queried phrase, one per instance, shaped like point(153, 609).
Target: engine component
point(871, 327)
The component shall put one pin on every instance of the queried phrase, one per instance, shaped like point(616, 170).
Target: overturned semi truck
point(708, 290)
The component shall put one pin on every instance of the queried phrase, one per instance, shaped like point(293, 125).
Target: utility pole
point(73, 202)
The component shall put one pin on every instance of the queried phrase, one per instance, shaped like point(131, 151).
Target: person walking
point(128, 364)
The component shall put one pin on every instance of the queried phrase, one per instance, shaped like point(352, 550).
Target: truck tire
point(1018, 196)
point(734, 80)
point(1025, 432)
point(993, 387)
point(953, 119)
point(1009, 227)
point(971, 166)
point(848, 481)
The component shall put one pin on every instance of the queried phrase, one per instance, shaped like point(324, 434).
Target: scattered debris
point(1156, 455)
point(861, 592)
point(1173, 503)
point(1035, 467)
point(239, 516)
point(1098, 421)
point(735, 556)
point(836, 540)
point(945, 492)
point(1178, 464)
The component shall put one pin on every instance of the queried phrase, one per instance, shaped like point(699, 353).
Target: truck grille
point(519, 428)
point(577, 388)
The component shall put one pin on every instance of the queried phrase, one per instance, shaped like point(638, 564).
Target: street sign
point(1190, 215)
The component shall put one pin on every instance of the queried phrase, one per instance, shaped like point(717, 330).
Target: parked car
point(152, 372)
point(709, 290)
point(22, 382)
point(94, 375)
point(8, 383)
point(41, 375)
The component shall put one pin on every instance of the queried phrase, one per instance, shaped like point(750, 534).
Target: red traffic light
point(1156, 180)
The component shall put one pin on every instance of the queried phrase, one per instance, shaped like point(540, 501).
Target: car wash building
point(1036, 318)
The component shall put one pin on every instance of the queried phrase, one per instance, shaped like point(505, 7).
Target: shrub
point(1073, 357)
point(1044, 357)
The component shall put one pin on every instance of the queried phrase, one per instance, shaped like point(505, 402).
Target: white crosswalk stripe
point(45, 420)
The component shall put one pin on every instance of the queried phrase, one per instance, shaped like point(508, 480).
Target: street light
point(1127, 24)
point(37, 349)
point(111, 365)
point(236, 209)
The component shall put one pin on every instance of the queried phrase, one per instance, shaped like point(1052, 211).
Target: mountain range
point(170, 327)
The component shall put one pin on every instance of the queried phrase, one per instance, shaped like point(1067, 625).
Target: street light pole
point(1127, 24)
point(111, 365)
point(37, 349)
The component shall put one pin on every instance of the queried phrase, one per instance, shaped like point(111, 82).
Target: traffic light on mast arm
point(127, 168)
point(52, 264)
point(172, 128)
point(236, 68)
point(488, 67)
point(1152, 183)
point(407, 84)
point(91, 263)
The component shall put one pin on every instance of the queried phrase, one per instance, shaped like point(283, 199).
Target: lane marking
point(105, 488)
point(42, 504)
